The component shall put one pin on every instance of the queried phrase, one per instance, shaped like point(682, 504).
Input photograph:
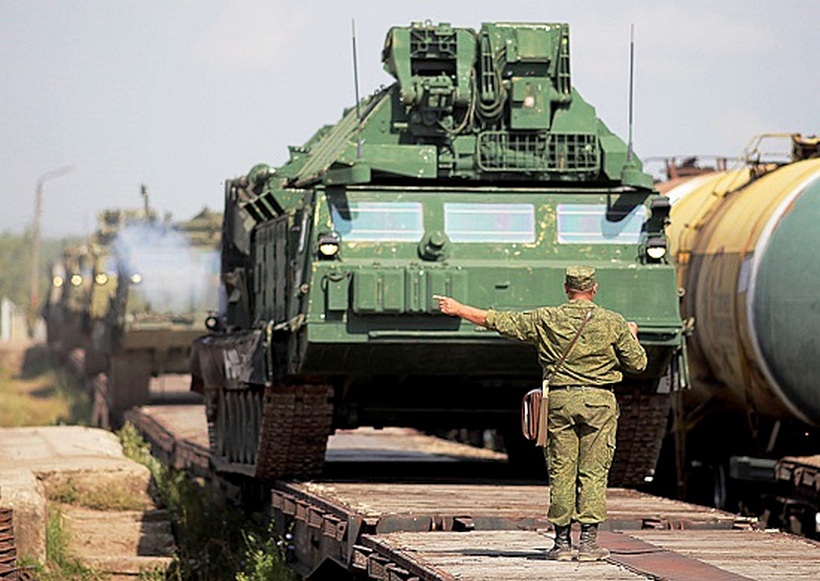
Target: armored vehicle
point(156, 284)
point(79, 294)
point(52, 311)
point(66, 308)
point(110, 223)
point(481, 173)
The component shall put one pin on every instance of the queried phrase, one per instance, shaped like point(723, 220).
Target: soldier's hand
point(447, 305)
point(633, 328)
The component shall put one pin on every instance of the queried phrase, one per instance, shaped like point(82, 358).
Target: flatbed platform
point(690, 555)
point(425, 528)
point(498, 531)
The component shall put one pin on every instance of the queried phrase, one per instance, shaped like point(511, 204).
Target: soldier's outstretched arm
point(450, 306)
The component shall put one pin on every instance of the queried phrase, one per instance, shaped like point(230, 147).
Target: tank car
point(746, 244)
point(481, 173)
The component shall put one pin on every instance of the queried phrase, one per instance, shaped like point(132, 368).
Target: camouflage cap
point(580, 277)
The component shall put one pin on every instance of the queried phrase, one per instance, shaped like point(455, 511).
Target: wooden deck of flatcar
point(468, 531)
point(446, 530)
point(178, 434)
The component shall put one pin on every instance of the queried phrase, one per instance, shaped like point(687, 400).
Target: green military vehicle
point(52, 311)
point(481, 173)
point(66, 308)
point(103, 290)
point(80, 292)
point(156, 283)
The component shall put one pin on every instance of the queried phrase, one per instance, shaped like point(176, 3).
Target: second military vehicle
point(156, 283)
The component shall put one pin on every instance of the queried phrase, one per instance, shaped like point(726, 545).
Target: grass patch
point(61, 565)
point(215, 540)
point(108, 496)
point(42, 395)
point(264, 558)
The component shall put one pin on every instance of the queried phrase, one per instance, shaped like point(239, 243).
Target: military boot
point(589, 549)
point(562, 549)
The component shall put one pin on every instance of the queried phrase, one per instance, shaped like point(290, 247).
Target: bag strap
point(564, 355)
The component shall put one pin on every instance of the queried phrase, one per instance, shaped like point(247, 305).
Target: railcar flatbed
point(428, 528)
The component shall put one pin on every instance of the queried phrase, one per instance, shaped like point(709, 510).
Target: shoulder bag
point(535, 405)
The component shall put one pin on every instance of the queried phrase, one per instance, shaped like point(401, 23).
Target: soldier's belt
point(608, 387)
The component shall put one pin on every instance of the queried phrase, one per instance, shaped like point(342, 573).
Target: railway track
point(384, 525)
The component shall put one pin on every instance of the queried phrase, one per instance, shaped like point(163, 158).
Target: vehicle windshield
point(378, 221)
point(589, 224)
point(476, 222)
point(174, 280)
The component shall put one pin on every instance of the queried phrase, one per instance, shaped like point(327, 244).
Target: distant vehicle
point(480, 174)
point(132, 299)
point(65, 308)
point(156, 284)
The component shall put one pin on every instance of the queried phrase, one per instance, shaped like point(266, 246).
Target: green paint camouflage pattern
point(605, 349)
point(581, 430)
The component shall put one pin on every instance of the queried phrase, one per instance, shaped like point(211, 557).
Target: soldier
point(583, 413)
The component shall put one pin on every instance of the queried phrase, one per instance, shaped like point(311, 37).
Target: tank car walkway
point(429, 529)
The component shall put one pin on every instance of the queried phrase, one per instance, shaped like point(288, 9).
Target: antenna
point(631, 74)
point(356, 83)
point(144, 193)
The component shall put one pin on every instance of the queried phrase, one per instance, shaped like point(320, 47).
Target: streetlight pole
point(35, 236)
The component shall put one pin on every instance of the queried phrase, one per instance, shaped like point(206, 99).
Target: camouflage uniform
point(582, 419)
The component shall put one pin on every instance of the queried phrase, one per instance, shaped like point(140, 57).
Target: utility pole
point(35, 237)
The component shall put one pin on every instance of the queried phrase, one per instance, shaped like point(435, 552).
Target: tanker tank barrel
point(746, 244)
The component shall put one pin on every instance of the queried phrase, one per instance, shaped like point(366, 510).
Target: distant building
point(12, 322)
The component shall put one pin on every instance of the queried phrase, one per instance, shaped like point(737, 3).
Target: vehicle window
point(588, 224)
point(477, 222)
point(379, 221)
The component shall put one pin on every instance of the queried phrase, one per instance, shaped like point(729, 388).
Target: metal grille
point(428, 43)
point(554, 152)
point(8, 552)
point(562, 74)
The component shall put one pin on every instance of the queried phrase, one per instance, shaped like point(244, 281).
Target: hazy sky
point(183, 94)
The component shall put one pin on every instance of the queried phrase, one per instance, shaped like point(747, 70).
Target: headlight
point(328, 245)
point(656, 249)
point(57, 281)
point(136, 278)
point(76, 280)
point(212, 322)
point(101, 278)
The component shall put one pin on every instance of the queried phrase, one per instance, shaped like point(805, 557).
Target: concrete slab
point(31, 458)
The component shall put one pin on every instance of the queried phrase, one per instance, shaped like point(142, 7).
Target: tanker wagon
point(746, 244)
point(481, 173)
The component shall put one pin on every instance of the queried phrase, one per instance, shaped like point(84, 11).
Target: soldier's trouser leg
point(596, 448)
point(562, 456)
